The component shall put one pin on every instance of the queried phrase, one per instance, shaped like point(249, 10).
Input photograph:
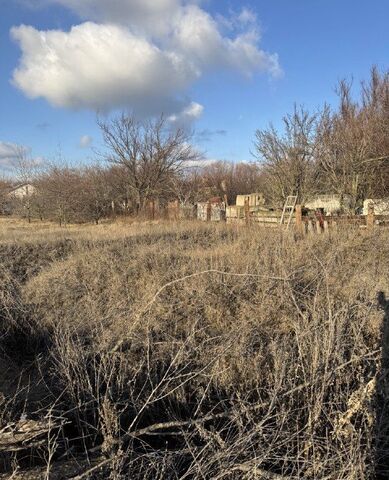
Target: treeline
point(340, 150)
point(67, 194)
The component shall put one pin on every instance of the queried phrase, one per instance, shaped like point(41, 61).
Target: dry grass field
point(192, 351)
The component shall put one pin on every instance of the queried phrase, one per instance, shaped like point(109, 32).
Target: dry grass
point(17, 231)
point(197, 351)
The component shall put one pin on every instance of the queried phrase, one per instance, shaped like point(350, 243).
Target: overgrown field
point(192, 351)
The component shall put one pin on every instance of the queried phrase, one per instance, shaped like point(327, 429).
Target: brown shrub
point(207, 352)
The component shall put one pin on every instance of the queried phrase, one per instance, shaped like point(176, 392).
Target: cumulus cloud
point(143, 16)
point(188, 115)
point(141, 54)
point(98, 67)
point(85, 141)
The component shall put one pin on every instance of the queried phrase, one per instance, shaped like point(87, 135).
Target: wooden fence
point(246, 215)
point(321, 223)
point(307, 224)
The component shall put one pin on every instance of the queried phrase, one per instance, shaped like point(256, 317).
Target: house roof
point(21, 186)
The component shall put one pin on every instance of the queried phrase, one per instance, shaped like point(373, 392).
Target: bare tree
point(96, 194)
point(230, 179)
point(5, 186)
point(217, 178)
point(60, 195)
point(151, 151)
point(287, 158)
point(25, 171)
point(187, 186)
point(246, 179)
point(353, 141)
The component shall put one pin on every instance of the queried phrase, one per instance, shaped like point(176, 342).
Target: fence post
point(370, 217)
point(152, 210)
point(299, 220)
point(173, 210)
point(209, 211)
point(157, 208)
point(247, 211)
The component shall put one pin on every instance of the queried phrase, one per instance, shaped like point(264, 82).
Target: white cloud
point(85, 141)
point(151, 16)
point(10, 153)
point(239, 21)
point(14, 156)
point(197, 36)
point(190, 114)
point(144, 55)
point(247, 17)
point(98, 67)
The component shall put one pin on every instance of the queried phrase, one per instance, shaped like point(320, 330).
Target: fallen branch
point(26, 434)
point(253, 470)
point(156, 427)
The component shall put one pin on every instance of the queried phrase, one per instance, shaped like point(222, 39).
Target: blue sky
point(223, 68)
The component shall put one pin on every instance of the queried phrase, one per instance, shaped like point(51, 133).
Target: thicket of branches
point(343, 150)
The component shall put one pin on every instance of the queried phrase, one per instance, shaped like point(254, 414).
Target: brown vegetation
point(343, 150)
point(193, 351)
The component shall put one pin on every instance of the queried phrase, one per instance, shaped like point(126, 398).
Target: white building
point(22, 191)
point(254, 199)
point(331, 204)
point(381, 206)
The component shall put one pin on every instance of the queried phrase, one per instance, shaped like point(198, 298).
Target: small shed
point(381, 206)
point(212, 211)
point(330, 204)
point(254, 199)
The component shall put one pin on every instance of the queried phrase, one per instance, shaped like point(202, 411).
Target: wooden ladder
point(287, 212)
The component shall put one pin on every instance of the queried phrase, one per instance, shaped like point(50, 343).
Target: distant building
point(381, 206)
point(330, 204)
point(212, 211)
point(13, 197)
point(22, 191)
point(256, 207)
point(254, 199)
